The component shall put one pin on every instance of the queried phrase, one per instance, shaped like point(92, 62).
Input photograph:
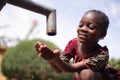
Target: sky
point(69, 12)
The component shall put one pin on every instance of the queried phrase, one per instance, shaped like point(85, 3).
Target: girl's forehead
point(92, 17)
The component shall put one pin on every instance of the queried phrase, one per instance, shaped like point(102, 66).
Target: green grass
point(2, 77)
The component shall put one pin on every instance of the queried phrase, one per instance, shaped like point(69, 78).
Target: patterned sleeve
point(69, 50)
point(97, 61)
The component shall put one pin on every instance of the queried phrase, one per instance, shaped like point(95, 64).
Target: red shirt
point(93, 59)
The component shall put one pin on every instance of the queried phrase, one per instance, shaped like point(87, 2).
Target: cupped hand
point(45, 52)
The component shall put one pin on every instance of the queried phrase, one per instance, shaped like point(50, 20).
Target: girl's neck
point(85, 48)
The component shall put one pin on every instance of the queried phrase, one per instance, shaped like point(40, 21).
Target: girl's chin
point(82, 41)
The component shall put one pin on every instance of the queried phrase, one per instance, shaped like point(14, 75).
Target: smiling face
point(89, 30)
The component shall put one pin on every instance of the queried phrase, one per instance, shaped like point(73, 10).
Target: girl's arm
point(54, 67)
point(54, 59)
point(66, 67)
point(96, 62)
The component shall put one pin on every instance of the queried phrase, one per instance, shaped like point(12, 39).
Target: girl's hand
point(44, 51)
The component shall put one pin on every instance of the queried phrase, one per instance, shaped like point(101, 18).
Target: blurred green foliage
point(22, 63)
point(115, 63)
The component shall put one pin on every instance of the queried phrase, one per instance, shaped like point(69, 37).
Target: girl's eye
point(81, 24)
point(92, 26)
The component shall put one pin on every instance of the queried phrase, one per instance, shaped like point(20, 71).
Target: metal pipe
point(51, 23)
point(50, 13)
point(32, 6)
point(2, 3)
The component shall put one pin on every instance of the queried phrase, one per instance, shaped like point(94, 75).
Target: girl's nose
point(84, 28)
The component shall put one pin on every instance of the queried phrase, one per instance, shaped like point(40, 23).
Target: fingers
point(40, 49)
point(38, 46)
point(45, 52)
point(56, 52)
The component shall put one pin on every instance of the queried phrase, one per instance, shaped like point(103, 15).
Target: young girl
point(89, 58)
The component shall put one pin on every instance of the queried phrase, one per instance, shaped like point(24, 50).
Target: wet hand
point(44, 51)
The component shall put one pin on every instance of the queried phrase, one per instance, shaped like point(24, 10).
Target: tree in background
point(22, 63)
point(115, 63)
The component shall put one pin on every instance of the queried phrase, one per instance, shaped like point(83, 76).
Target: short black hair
point(104, 20)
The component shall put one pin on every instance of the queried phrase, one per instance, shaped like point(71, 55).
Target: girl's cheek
point(78, 29)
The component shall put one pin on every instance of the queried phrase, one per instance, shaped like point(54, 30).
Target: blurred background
point(18, 24)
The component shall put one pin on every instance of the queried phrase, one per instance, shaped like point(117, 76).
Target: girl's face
point(89, 29)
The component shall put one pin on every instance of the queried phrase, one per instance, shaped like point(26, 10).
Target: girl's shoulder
point(103, 49)
point(74, 41)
